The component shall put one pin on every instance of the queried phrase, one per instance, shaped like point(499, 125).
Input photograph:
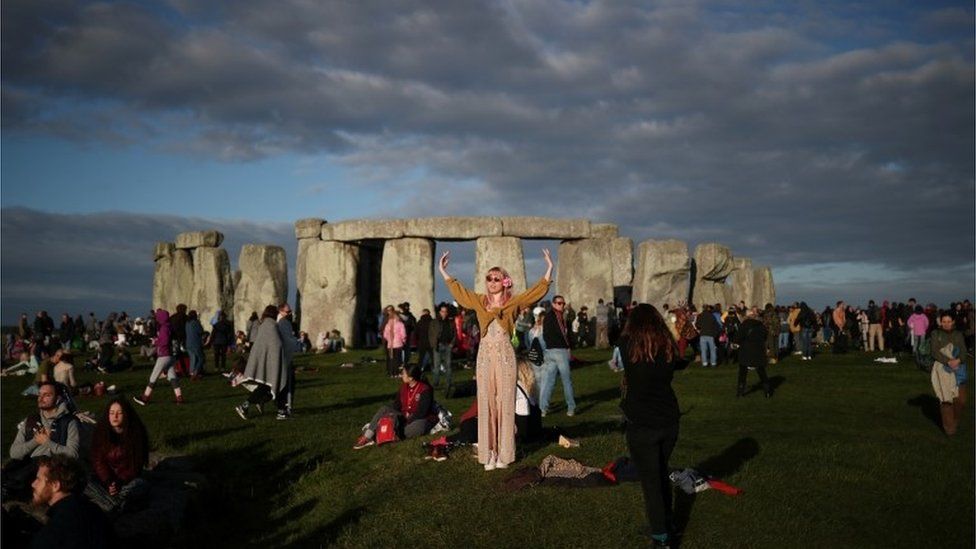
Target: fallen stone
point(213, 284)
point(173, 280)
point(407, 273)
point(545, 228)
point(197, 239)
point(263, 282)
point(583, 273)
point(452, 228)
point(329, 289)
point(309, 228)
point(663, 273)
point(499, 251)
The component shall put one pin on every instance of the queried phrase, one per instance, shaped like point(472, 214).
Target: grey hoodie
point(25, 447)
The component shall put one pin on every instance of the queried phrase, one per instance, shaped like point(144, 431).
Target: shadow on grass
point(327, 535)
point(353, 403)
point(774, 384)
point(592, 399)
point(725, 464)
point(929, 405)
point(245, 489)
point(179, 442)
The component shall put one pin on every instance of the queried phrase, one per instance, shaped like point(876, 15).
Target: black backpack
point(536, 355)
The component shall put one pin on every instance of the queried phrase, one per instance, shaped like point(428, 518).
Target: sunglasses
point(493, 279)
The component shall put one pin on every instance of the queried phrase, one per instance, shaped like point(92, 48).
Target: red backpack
point(386, 430)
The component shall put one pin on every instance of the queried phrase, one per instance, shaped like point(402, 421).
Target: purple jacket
point(162, 335)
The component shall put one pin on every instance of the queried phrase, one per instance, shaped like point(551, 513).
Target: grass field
point(848, 453)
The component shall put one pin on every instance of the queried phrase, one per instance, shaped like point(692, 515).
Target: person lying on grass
point(413, 409)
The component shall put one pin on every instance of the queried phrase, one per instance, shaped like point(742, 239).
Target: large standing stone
point(499, 251)
point(213, 284)
point(362, 229)
point(742, 281)
point(309, 228)
point(713, 264)
point(173, 279)
point(584, 272)
point(329, 291)
point(663, 274)
point(163, 249)
point(452, 228)
point(263, 281)
point(303, 245)
point(622, 261)
point(197, 239)
point(763, 289)
point(545, 227)
point(408, 273)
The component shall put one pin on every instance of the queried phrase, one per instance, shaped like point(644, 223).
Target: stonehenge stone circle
point(408, 273)
point(663, 274)
point(263, 281)
point(346, 271)
point(499, 251)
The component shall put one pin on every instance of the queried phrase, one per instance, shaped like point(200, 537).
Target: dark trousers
point(220, 357)
point(760, 369)
point(650, 449)
point(394, 359)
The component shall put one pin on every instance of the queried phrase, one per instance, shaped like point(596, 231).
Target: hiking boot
point(141, 400)
point(363, 442)
point(241, 411)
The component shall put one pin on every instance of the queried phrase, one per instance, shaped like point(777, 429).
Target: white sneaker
point(490, 466)
point(501, 466)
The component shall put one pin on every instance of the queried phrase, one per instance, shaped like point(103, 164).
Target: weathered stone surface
point(604, 230)
point(583, 275)
point(173, 280)
point(709, 292)
point(764, 291)
point(213, 285)
point(621, 261)
point(309, 228)
point(329, 290)
point(663, 274)
point(741, 281)
point(362, 229)
point(303, 245)
point(163, 249)
point(196, 239)
point(407, 273)
point(713, 262)
point(545, 227)
point(263, 282)
point(499, 251)
point(452, 228)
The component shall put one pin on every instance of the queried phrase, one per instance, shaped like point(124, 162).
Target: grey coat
point(266, 362)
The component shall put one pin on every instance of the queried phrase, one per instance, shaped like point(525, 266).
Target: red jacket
point(416, 402)
point(113, 466)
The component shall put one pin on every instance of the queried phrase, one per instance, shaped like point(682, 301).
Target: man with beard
point(73, 520)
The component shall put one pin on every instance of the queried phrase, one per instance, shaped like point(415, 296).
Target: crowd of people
point(519, 344)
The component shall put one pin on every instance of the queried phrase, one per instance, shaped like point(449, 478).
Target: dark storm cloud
point(102, 262)
point(796, 134)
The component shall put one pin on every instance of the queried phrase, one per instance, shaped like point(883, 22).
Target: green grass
point(847, 454)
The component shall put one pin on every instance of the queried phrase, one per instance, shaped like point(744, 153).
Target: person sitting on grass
point(413, 409)
point(120, 451)
point(64, 371)
point(337, 343)
point(24, 366)
point(72, 520)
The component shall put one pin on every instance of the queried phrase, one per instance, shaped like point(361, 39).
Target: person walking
point(165, 361)
point(265, 370)
point(752, 338)
point(650, 357)
point(495, 365)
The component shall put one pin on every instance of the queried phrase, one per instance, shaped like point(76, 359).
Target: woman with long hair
point(395, 337)
point(120, 451)
point(495, 366)
point(413, 408)
point(650, 356)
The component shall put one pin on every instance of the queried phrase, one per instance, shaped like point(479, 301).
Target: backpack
point(536, 355)
point(386, 430)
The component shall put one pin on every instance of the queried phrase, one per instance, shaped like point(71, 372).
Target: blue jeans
point(557, 362)
point(442, 357)
point(784, 339)
point(196, 361)
point(806, 337)
point(708, 352)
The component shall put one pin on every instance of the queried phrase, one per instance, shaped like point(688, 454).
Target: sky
point(833, 141)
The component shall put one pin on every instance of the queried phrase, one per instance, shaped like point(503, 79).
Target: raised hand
point(442, 264)
point(547, 256)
